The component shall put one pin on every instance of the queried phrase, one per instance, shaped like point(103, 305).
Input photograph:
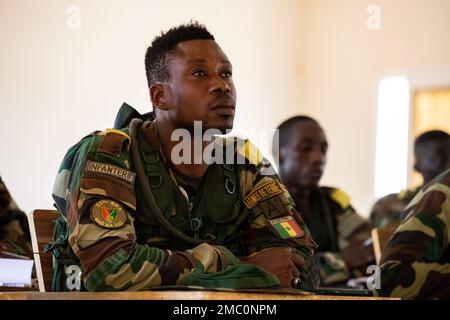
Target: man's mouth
point(224, 107)
point(315, 174)
point(224, 110)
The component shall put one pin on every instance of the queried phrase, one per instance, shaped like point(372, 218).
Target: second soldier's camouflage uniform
point(133, 224)
point(14, 231)
point(415, 263)
point(335, 226)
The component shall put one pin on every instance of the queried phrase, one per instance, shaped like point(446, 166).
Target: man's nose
point(317, 157)
point(220, 86)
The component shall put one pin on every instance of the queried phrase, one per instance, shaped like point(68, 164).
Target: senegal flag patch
point(108, 214)
point(287, 227)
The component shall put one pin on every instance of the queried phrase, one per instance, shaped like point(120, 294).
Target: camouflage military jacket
point(14, 231)
point(122, 245)
point(388, 209)
point(335, 226)
point(416, 261)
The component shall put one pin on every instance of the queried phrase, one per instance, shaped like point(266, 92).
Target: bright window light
point(392, 131)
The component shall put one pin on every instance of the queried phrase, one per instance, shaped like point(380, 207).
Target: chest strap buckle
point(230, 186)
point(196, 223)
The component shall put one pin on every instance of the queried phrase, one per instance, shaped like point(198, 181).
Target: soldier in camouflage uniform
point(139, 220)
point(339, 231)
point(415, 263)
point(14, 231)
point(432, 153)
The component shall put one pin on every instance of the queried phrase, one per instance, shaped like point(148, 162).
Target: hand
point(357, 255)
point(184, 261)
point(282, 262)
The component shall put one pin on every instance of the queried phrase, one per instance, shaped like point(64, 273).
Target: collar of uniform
point(151, 135)
point(150, 130)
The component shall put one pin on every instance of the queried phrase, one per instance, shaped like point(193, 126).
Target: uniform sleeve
point(94, 190)
point(272, 218)
point(387, 210)
point(415, 263)
point(352, 230)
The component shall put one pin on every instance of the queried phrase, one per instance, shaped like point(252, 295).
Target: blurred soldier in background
point(432, 157)
point(342, 235)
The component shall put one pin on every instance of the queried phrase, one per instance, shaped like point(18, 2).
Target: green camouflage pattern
point(388, 209)
point(415, 263)
point(140, 255)
point(14, 231)
point(335, 226)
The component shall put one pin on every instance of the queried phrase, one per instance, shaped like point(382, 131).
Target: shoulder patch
point(111, 170)
point(113, 142)
point(263, 192)
point(250, 152)
point(286, 227)
point(341, 198)
point(108, 214)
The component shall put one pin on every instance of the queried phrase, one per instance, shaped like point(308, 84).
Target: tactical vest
point(208, 216)
point(213, 215)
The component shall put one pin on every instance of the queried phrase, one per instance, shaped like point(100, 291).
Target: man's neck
point(301, 197)
point(196, 167)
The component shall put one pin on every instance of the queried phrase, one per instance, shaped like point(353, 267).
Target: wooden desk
point(171, 295)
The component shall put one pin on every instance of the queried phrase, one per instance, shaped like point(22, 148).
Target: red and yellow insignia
point(287, 227)
point(108, 214)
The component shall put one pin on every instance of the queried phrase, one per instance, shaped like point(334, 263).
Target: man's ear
point(278, 153)
point(417, 166)
point(157, 96)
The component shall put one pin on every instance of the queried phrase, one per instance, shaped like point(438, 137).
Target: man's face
point(303, 157)
point(433, 158)
point(201, 86)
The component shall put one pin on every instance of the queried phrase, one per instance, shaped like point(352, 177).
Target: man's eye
point(227, 74)
point(306, 147)
point(199, 73)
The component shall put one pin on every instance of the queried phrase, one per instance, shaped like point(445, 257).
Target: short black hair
point(431, 136)
point(162, 46)
point(285, 130)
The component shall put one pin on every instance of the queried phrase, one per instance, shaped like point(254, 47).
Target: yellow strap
point(110, 130)
point(250, 152)
point(341, 197)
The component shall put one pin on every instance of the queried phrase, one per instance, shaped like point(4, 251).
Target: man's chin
point(223, 126)
point(310, 183)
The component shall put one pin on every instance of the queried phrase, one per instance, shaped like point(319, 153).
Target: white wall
point(57, 84)
point(290, 57)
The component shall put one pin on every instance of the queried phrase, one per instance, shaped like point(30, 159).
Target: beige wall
point(344, 61)
point(289, 56)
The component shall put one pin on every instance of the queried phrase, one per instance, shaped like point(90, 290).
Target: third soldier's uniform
point(388, 209)
point(135, 223)
point(416, 261)
point(335, 225)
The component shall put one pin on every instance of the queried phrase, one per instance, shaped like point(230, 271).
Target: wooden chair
point(41, 229)
point(380, 238)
